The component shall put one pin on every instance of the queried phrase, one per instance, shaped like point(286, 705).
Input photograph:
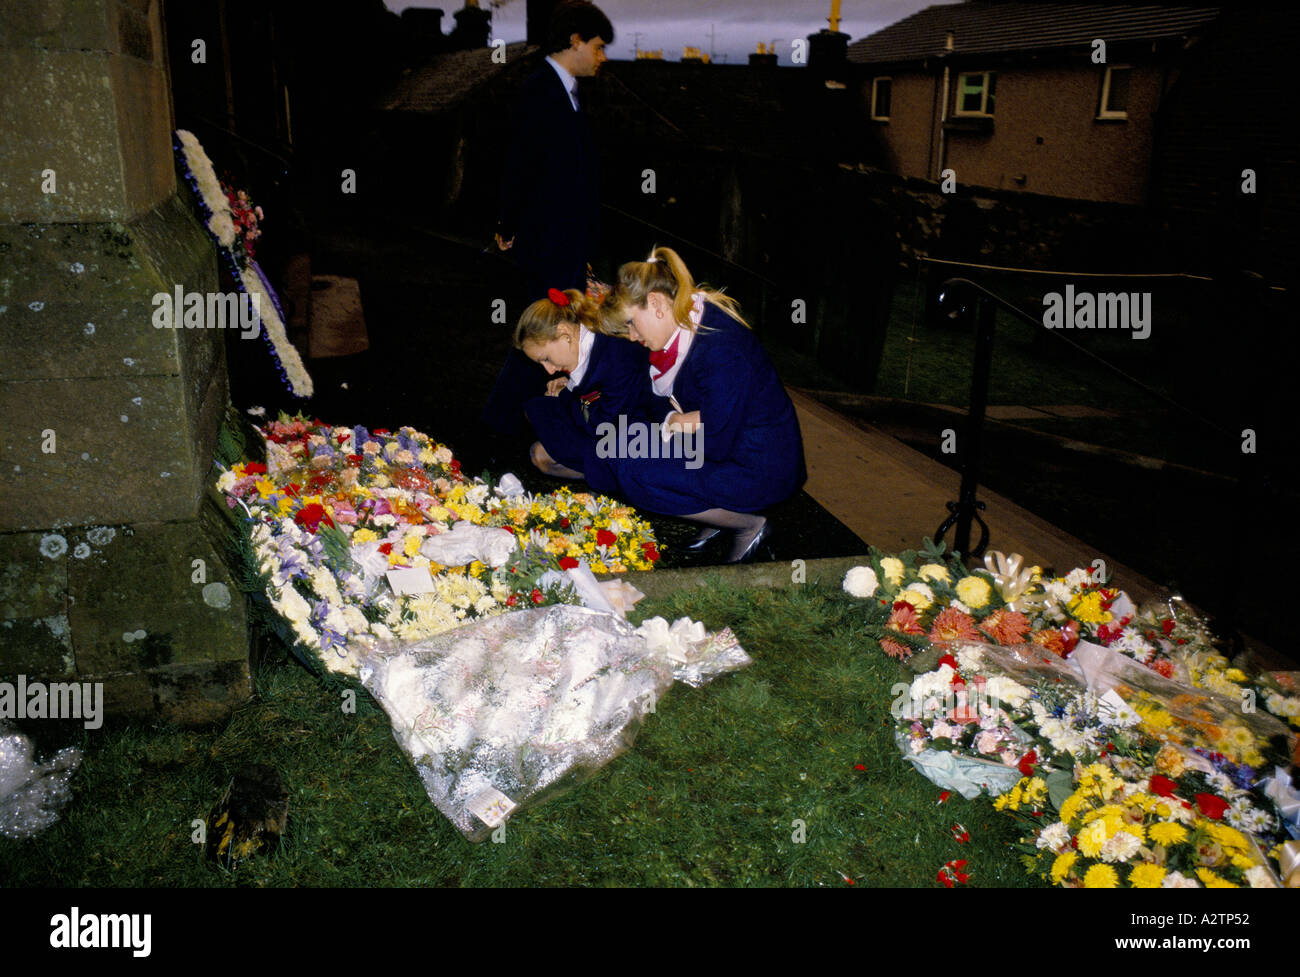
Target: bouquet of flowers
point(376, 535)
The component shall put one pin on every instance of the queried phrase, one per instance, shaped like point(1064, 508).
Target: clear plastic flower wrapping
point(529, 703)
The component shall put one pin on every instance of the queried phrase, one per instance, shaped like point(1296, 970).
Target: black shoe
point(702, 540)
point(752, 549)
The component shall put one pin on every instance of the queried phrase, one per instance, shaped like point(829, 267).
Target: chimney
point(828, 50)
point(473, 25)
point(763, 58)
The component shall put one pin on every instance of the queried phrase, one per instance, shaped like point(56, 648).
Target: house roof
point(448, 78)
point(993, 27)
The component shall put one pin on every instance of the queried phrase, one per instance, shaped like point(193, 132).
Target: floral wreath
point(214, 208)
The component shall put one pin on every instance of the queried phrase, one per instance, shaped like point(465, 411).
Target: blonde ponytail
point(666, 273)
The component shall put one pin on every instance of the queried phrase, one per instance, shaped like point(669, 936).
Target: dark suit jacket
point(550, 196)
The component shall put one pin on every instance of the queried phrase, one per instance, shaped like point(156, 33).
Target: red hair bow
point(558, 297)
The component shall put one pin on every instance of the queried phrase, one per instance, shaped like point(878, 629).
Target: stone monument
point(106, 572)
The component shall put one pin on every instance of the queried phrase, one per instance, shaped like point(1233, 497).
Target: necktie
point(663, 359)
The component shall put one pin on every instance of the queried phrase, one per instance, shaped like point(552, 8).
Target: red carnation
point(651, 553)
point(564, 522)
point(605, 538)
point(311, 516)
point(1211, 806)
point(537, 596)
point(1167, 626)
point(568, 563)
point(385, 548)
point(512, 600)
point(1163, 786)
point(1027, 763)
point(254, 468)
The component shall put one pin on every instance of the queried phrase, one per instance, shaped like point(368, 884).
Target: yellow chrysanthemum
point(1062, 865)
point(1070, 809)
point(1212, 881)
point(1100, 877)
point(1087, 608)
point(1146, 876)
point(411, 545)
point(935, 572)
point(1227, 836)
point(915, 598)
point(1092, 838)
point(974, 592)
point(1167, 833)
point(364, 536)
point(893, 569)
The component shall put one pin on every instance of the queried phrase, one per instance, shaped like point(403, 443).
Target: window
point(1114, 92)
point(881, 90)
point(975, 92)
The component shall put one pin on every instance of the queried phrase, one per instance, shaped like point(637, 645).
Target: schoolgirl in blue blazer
point(603, 377)
point(710, 381)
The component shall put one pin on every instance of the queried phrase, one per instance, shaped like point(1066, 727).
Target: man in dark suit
point(550, 196)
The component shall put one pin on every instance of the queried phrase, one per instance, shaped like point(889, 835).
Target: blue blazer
point(550, 194)
point(752, 451)
point(615, 383)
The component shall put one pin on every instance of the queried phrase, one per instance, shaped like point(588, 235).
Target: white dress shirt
point(567, 80)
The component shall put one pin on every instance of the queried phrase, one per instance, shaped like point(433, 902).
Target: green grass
point(706, 797)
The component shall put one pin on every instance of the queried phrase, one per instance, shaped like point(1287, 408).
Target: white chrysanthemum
point(1055, 837)
point(861, 582)
point(932, 683)
point(1177, 880)
point(1006, 690)
point(970, 658)
point(1120, 847)
point(357, 623)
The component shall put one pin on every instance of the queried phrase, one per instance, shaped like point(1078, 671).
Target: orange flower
point(895, 649)
point(953, 625)
point(903, 618)
point(1050, 639)
point(1006, 627)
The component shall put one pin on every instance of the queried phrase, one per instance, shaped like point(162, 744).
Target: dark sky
point(738, 25)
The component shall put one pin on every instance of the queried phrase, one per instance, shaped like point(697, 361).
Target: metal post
point(973, 442)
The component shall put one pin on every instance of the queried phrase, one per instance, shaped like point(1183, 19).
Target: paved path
point(893, 497)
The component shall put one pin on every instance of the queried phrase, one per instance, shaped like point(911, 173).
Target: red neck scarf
point(663, 359)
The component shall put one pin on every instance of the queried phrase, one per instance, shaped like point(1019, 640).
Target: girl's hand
point(555, 385)
point(685, 423)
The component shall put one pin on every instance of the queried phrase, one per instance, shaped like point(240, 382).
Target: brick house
point(1015, 96)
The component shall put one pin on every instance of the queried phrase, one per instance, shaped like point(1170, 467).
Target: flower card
point(490, 806)
point(410, 580)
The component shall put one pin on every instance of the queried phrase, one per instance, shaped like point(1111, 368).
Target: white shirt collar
point(663, 385)
point(567, 80)
point(585, 342)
